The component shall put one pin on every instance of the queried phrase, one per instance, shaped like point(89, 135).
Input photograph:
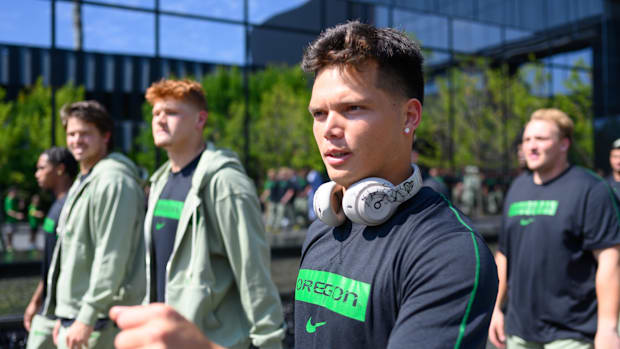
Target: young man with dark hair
point(98, 261)
point(559, 249)
point(614, 161)
point(417, 277)
point(388, 264)
point(207, 254)
point(56, 170)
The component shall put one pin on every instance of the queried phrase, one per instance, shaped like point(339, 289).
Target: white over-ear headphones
point(370, 201)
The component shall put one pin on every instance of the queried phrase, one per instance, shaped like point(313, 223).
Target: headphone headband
point(370, 201)
point(394, 194)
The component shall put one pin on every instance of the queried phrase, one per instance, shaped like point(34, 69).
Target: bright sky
point(27, 22)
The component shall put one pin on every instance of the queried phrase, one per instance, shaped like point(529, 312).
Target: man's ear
point(60, 169)
point(202, 119)
point(106, 138)
point(564, 144)
point(413, 114)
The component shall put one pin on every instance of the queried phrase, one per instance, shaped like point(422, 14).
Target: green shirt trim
point(474, 290)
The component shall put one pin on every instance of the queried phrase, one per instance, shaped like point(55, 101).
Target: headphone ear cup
point(329, 214)
point(367, 202)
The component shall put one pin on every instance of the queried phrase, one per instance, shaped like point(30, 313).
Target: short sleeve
point(447, 295)
point(601, 219)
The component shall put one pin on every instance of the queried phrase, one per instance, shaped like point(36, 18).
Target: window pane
point(562, 79)
point(17, 19)
point(132, 3)
point(572, 58)
point(537, 77)
point(559, 12)
point(527, 14)
point(471, 37)
point(435, 58)
point(229, 9)
point(202, 40)
point(460, 8)
point(381, 17)
point(491, 10)
point(107, 30)
point(516, 34)
point(300, 14)
point(276, 46)
point(431, 31)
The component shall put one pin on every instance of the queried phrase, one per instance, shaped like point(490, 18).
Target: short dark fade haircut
point(62, 155)
point(354, 44)
point(92, 112)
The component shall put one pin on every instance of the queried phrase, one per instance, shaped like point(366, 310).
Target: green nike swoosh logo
point(160, 225)
point(310, 328)
point(526, 221)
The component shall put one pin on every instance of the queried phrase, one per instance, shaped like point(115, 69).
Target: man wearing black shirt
point(419, 277)
point(614, 161)
point(56, 170)
point(558, 250)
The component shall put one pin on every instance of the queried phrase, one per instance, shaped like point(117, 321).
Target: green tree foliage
point(25, 131)
point(280, 127)
point(488, 108)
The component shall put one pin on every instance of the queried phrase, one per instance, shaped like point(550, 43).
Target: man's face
point(45, 172)
point(358, 127)
point(614, 160)
point(87, 144)
point(175, 122)
point(542, 147)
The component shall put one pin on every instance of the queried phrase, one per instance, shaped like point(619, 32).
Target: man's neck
point(62, 187)
point(616, 175)
point(545, 175)
point(179, 158)
point(87, 165)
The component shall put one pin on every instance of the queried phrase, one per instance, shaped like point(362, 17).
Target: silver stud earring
point(407, 130)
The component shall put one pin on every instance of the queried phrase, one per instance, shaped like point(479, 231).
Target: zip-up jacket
point(218, 274)
point(98, 260)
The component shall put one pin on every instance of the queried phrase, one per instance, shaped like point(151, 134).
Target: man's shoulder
point(587, 180)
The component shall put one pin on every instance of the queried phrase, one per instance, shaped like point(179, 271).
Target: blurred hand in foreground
point(156, 325)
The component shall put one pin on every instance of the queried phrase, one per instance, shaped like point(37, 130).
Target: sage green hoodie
point(218, 274)
point(98, 260)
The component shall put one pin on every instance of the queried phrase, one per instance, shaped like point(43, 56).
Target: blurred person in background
point(314, 179)
point(559, 249)
point(285, 213)
point(12, 216)
point(56, 170)
point(265, 195)
point(300, 203)
point(35, 217)
point(207, 254)
point(98, 260)
point(614, 161)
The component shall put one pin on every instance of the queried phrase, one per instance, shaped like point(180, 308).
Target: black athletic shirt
point(615, 186)
point(549, 232)
point(49, 231)
point(423, 279)
point(165, 220)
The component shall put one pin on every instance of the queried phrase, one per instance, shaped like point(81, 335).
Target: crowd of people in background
point(287, 197)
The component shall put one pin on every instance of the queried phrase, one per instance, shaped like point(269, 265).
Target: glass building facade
point(125, 45)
